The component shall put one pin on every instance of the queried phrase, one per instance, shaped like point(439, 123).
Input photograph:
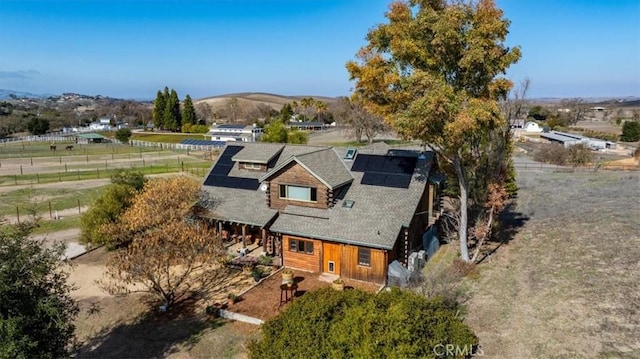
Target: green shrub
point(123, 135)
point(189, 128)
point(265, 260)
point(630, 131)
point(353, 324)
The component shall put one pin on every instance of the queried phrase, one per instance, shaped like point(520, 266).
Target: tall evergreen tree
point(171, 118)
point(158, 108)
point(188, 112)
point(286, 112)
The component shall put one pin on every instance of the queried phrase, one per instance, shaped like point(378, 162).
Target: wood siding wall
point(294, 174)
point(420, 222)
point(304, 261)
point(375, 273)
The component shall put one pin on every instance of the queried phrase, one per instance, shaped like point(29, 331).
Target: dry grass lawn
point(129, 327)
point(568, 285)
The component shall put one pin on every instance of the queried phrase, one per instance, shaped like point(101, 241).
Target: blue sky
point(130, 49)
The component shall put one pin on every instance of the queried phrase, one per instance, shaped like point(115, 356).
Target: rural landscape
point(438, 210)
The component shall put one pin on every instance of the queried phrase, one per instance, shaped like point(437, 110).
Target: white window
point(298, 193)
point(252, 166)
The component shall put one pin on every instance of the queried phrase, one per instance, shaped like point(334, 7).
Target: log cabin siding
point(294, 174)
point(375, 273)
point(304, 261)
point(419, 222)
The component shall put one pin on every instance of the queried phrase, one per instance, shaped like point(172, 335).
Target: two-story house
point(346, 212)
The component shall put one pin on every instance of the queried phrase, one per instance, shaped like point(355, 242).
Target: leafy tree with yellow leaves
point(165, 250)
point(434, 73)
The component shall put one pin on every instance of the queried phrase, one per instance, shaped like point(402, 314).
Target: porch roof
point(240, 206)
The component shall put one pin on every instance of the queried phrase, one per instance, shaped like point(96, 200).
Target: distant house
point(234, 133)
point(306, 126)
point(103, 124)
point(343, 212)
point(532, 127)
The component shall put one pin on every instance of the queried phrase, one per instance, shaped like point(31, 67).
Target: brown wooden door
point(331, 258)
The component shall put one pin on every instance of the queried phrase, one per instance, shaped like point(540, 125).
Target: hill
point(253, 99)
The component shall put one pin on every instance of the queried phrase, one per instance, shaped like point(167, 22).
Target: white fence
point(174, 146)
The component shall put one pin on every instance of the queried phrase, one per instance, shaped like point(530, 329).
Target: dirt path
point(64, 213)
point(60, 185)
point(567, 286)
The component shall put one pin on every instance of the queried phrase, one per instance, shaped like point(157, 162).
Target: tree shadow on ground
point(151, 335)
point(511, 222)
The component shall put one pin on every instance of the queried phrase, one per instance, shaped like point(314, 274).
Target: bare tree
point(578, 109)
point(359, 120)
point(514, 104)
point(204, 112)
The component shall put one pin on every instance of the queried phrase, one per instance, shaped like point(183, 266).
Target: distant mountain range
point(278, 100)
point(7, 94)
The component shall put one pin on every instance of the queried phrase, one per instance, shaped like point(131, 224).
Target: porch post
point(219, 228)
point(244, 232)
point(430, 204)
point(264, 240)
point(405, 258)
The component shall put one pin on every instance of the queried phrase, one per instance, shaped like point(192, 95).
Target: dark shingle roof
point(376, 219)
point(324, 164)
point(258, 152)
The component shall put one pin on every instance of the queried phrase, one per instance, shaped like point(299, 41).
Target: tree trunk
point(464, 199)
point(484, 237)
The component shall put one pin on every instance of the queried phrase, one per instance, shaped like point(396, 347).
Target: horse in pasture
point(69, 148)
point(52, 148)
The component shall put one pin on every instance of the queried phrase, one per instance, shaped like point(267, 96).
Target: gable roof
point(324, 164)
point(380, 212)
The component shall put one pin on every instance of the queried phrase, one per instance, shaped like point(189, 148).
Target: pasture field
point(34, 163)
point(34, 179)
point(39, 199)
point(566, 285)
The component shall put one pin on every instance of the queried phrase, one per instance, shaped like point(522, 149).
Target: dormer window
point(298, 193)
point(252, 166)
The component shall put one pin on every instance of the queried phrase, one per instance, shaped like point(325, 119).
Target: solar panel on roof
point(220, 169)
point(214, 180)
point(397, 181)
point(386, 180)
point(384, 164)
point(360, 163)
point(373, 179)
